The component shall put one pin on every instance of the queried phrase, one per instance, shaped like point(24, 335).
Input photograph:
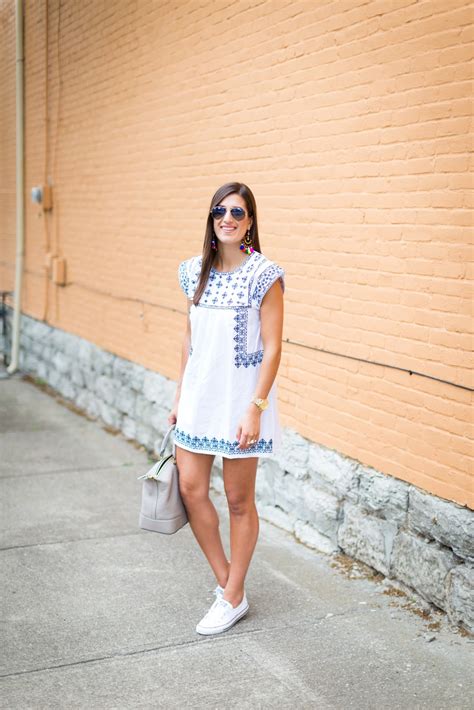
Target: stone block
point(90, 377)
point(36, 329)
point(322, 511)
point(62, 363)
point(423, 565)
point(122, 370)
point(85, 355)
point(217, 482)
point(70, 344)
point(334, 473)
point(54, 378)
point(77, 376)
point(42, 371)
point(217, 465)
point(125, 400)
point(92, 406)
point(66, 388)
point(129, 428)
point(145, 435)
point(34, 346)
point(30, 363)
point(82, 399)
point(153, 387)
point(367, 538)
point(277, 516)
point(306, 534)
point(105, 389)
point(450, 524)
point(137, 375)
point(102, 361)
point(143, 409)
point(47, 354)
point(109, 415)
point(460, 595)
point(288, 492)
point(56, 340)
point(384, 495)
point(293, 455)
point(168, 393)
point(264, 482)
point(264, 490)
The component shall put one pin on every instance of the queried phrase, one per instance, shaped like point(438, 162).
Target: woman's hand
point(248, 431)
point(173, 415)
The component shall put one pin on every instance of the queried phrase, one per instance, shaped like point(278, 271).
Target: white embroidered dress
point(226, 352)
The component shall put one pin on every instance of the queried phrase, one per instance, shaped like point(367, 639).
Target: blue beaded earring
point(246, 244)
point(213, 244)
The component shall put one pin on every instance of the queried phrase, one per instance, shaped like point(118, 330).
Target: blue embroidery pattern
point(183, 277)
point(221, 446)
point(229, 289)
point(266, 279)
point(241, 356)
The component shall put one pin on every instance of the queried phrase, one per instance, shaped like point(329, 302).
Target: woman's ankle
point(222, 578)
point(235, 597)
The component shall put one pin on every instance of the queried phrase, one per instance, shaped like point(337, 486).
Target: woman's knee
point(193, 491)
point(194, 475)
point(240, 503)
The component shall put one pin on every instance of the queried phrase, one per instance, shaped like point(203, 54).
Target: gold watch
point(261, 403)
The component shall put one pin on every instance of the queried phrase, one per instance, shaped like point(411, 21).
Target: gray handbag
point(162, 507)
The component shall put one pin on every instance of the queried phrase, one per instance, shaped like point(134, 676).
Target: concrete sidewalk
point(100, 614)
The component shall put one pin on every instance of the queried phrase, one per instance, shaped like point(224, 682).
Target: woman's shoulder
point(191, 262)
point(265, 275)
point(262, 263)
point(188, 271)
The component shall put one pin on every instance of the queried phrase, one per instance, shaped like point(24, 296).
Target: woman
point(226, 397)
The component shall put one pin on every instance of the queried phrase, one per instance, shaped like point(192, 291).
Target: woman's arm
point(184, 359)
point(271, 329)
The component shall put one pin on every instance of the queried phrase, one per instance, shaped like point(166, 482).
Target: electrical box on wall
point(59, 270)
point(43, 195)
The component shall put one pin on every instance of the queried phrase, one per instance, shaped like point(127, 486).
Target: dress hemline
point(258, 455)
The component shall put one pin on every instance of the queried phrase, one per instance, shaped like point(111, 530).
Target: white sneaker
point(221, 616)
point(219, 591)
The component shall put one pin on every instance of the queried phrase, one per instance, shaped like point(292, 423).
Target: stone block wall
point(328, 501)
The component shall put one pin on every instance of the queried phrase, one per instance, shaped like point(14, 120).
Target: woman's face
point(227, 229)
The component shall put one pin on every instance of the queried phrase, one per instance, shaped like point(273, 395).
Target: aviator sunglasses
point(237, 213)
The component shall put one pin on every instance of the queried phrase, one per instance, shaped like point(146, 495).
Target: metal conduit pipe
point(20, 187)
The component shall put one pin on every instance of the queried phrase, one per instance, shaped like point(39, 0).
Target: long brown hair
point(208, 254)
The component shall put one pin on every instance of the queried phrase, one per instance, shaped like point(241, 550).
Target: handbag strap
point(165, 441)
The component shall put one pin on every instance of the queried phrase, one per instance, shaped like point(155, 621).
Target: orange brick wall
point(350, 122)
point(7, 145)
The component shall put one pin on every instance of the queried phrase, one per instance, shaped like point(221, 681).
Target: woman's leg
point(239, 484)
point(194, 477)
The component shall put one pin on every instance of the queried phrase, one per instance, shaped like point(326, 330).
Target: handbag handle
point(165, 441)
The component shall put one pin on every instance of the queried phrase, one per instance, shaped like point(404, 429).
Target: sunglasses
point(237, 213)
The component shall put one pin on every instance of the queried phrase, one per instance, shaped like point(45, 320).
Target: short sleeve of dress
point(265, 280)
point(183, 276)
